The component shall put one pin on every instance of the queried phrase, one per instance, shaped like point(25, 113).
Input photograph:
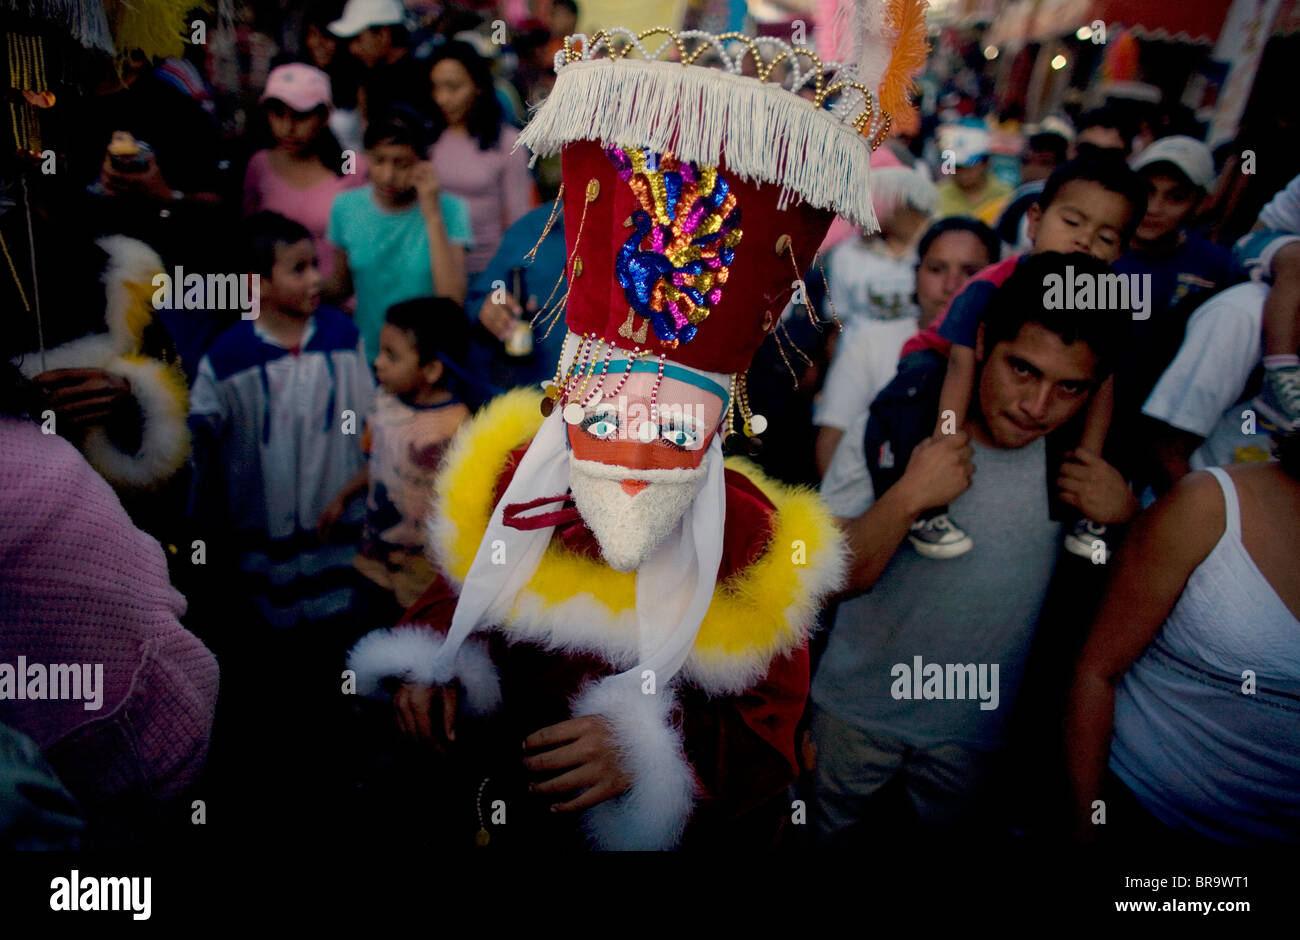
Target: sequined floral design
point(672, 268)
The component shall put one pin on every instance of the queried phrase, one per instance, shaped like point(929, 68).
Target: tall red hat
point(696, 196)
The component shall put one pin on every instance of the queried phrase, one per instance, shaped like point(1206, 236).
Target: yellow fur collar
point(577, 603)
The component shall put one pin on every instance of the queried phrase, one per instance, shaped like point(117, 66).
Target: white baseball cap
point(1189, 155)
point(360, 15)
point(969, 142)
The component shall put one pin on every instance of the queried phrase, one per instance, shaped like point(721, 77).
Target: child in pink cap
point(301, 174)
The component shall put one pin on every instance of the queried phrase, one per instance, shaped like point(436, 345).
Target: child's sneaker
point(1083, 538)
point(1280, 400)
point(939, 537)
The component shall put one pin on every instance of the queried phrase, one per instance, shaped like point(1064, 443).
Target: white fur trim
point(93, 351)
point(582, 625)
point(165, 437)
point(407, 652)
point(766, 133)
point(652, 814)
point(129, 260)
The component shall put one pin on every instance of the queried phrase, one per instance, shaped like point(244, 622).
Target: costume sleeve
point(743, 747)
point(405, 653)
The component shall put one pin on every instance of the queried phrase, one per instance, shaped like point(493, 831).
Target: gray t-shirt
point(978, 609)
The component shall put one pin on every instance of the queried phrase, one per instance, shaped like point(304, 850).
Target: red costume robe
point(733, 709)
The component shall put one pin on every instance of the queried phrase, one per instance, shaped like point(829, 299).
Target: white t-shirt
point(1200, 390)
point(872, 291)
point(866, 359)
point(979, 609)
point(867, 282)
point(1282, 214)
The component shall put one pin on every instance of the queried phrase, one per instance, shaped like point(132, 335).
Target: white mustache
point(607, 471)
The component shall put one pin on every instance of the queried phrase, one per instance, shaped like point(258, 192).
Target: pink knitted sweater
point(80, 584)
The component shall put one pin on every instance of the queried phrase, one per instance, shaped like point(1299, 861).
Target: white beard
point(629, 528)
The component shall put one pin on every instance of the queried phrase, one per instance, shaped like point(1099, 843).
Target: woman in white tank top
point(1188, 688)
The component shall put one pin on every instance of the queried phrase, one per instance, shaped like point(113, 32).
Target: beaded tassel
point(595, 395)
point(654, 404)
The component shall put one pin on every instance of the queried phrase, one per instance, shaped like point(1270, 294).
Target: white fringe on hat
point(767, 133)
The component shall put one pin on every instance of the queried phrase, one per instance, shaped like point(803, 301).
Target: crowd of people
point(221, 525)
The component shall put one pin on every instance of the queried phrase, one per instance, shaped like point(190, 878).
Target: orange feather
point(908, 58)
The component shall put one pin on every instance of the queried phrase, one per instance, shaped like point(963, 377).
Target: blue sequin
point(639, 269)
point(673, 190)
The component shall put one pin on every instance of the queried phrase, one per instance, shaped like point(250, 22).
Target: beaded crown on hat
point(706, 191)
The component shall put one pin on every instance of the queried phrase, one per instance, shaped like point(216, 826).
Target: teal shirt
point(388, 253)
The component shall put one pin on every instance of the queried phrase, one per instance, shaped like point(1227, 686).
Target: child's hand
point(427, 185)
point(589, 756)
point(413, 705)
point(1095, 488)
point(84, 397)
point(330, 516)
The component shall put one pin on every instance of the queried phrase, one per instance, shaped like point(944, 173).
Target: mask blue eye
point(681, 437)
point(602, 426)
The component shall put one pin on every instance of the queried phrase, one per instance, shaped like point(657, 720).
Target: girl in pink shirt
point(300, 176)
point(473, 150)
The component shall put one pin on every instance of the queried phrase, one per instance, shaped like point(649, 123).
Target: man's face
point(632, 480)
point(1032, 384)
point(321, 45)
point(1037, 165)
point(1169, 201)
point(971, 178)
point(371, 45)
point(1084, 216)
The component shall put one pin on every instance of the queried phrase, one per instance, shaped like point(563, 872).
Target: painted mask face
point(632, 478)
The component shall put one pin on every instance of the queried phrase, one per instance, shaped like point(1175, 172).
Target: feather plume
point(866, 45)
point(907, 19)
